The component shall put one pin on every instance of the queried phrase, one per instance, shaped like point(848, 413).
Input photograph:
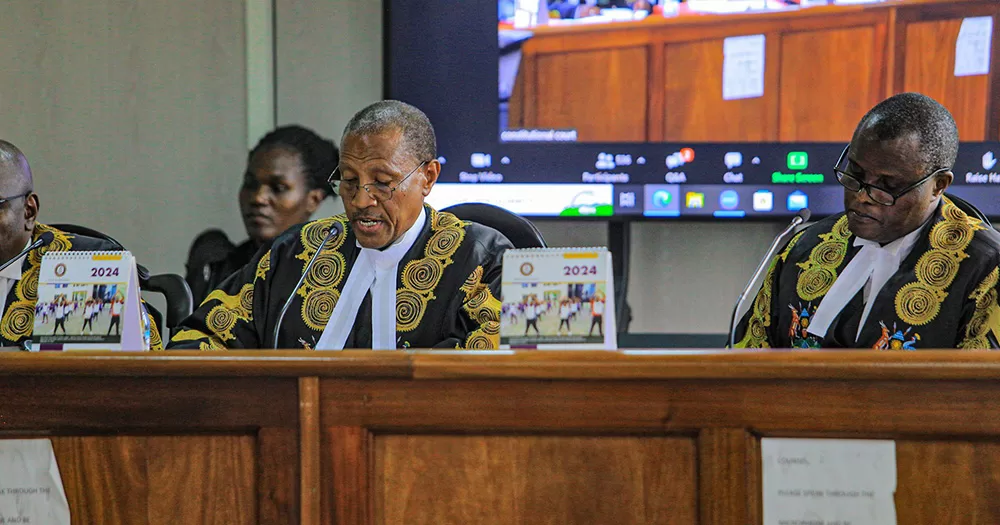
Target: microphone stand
point(777, 244)
point(43, 240)
point(334, 231)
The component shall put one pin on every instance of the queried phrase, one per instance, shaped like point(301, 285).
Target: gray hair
point(418, 136)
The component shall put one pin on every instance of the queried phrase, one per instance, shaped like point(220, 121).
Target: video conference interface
point(453, 74)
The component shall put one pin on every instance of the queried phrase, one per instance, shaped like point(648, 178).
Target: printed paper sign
point(558, 298)
point(972, 48)
point(829, 481)
point(31, 490)
point(743, 67)
point(88, 300)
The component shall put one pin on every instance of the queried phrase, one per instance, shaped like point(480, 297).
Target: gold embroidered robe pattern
point(944, 294)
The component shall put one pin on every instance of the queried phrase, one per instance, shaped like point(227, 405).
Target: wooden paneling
point(930, 69)
point(309, 439)
point(127, 403)
point(347, 495)
point(934, 365)
point(872, 407)
point(207, 479)
point(820, 67)
point(215, 363)
point(533, 437)
point(726, 461)
point(694, 109)
point(966, 475)
point(136, 446)
point(268, 377)
point(105, 479)
point(534, 480)
point(133, 480)
point(278, 476)
point(602, 94)
point(515, 107)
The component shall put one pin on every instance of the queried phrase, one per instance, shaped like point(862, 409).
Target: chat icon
point(733, 159)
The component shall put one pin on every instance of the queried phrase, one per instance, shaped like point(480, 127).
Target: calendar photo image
point(557, 312)
point(79, 312)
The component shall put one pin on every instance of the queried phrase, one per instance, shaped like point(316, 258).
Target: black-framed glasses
point(3, 200)
point(379, 191)
point(878, 195)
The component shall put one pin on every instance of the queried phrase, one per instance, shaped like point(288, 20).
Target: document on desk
point(31, 490)
point(743, 67)
point(828, 481)
point(972, 48)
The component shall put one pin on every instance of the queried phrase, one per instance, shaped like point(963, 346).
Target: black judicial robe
point(18, 320)
point(944, 294)
point(445, 297)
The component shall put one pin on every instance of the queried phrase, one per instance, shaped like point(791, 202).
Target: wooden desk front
point(534, 437)
point(660, 79)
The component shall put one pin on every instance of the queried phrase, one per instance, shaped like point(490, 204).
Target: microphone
point(334, 231)
point(779, 242)
point(44, 239)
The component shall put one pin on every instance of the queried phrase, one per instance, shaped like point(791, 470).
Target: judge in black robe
point(942, 294)
point(446, 283)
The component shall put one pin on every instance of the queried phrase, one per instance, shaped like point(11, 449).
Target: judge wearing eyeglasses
point(903, 267)
point(389, 273)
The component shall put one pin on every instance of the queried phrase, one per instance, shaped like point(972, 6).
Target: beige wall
point(329, 64)
point(132, 114)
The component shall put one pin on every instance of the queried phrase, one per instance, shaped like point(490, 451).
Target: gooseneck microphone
point(334, 231)
point(44, 239)
point(779, 242)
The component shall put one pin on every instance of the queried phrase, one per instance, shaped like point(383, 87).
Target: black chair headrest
point(180, 302)
point(518, 230)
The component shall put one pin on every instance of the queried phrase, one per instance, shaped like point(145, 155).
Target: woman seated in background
point(284, 183)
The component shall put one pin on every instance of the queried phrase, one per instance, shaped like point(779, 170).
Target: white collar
point(13, 272)
point(900, 248)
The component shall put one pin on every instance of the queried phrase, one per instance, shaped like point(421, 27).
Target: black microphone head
point(45, 239)
point(804, 214)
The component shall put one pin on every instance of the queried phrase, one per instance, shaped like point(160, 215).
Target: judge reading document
point(390, 273)
point(23, 240)
point(903, 267)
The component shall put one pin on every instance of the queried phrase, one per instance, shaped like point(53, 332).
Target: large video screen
point(727, 109)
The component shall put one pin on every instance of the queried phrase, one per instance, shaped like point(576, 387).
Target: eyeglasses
point(878, 195)
point(14, 198)
point(379, 191)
